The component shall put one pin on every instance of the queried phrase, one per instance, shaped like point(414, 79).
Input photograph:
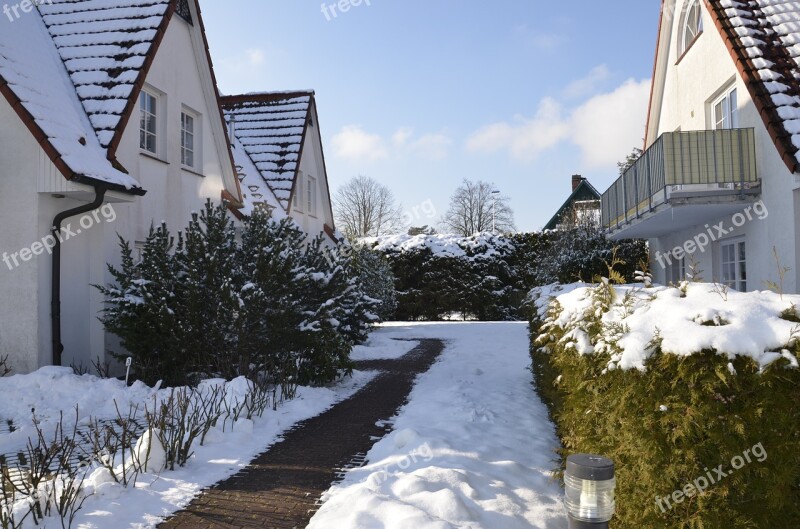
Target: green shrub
point(376, 279)
point(673, 423)
point(485, 276)
point(271, 307)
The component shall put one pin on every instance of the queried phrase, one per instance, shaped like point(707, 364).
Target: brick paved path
point(280, 487)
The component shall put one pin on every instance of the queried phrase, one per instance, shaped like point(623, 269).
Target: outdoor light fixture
point(589, 485)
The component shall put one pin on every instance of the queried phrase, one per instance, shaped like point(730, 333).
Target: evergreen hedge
point(485, 277)
point(670, 426)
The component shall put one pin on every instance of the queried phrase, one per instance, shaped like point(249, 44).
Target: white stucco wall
point(312, 164)
point(32, 193)
point(19, 288)
point(690, 85)
point(173, 191)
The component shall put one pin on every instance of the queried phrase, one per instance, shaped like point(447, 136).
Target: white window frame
point(691, 25)
point(728, 105)
point(733, 271)
point(145, 113)
point(311, 196)
point(197, 137)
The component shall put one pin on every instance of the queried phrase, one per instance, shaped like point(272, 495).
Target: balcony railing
point(682, 164)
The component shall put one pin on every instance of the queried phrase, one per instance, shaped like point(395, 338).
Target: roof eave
point(52, 153)
point(94, 182)
point(240, 199)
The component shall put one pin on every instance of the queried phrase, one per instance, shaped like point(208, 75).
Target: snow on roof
point(732, 323)
point(481, 244)
point(270, 128)
point(765, 36)
point(104, 45)
point(33, 76)
point(255, 190)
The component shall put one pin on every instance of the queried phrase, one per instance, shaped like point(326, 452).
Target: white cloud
point(401, 137)
point(606, 127)
point(526, 138)
point(255, 57)
point(432, 146)
point(353, 143)
point(588, 85)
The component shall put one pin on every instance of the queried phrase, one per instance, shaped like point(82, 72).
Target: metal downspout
point(55, 296)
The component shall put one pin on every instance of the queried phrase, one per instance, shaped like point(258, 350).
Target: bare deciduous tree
point(366, 208)
point(472, 210)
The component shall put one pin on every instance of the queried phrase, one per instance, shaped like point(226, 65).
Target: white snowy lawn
point(472, 449)
point(110, 505)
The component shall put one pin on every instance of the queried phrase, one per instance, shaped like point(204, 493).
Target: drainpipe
point(55, 296)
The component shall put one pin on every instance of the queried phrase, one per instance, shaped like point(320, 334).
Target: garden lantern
point(589, 486)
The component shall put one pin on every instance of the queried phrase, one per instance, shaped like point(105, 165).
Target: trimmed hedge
point(675, 423)
point(485, 276)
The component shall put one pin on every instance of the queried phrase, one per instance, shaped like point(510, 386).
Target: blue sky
point(422, 94)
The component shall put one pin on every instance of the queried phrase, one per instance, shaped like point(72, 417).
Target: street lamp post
point(494, 211)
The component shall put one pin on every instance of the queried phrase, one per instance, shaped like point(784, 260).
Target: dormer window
point(692, 25)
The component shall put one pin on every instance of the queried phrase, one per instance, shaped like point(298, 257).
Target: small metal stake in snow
point(128, 362)
point(589, 485)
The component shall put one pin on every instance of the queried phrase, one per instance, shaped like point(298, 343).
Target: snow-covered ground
point(111, 506)
point(473, 448)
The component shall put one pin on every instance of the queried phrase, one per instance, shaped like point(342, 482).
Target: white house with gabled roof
point(107, 103)
point(277, 146)
point(717, 189)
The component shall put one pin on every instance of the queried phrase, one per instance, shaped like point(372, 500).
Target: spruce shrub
point(269, 306)
point(673, 423)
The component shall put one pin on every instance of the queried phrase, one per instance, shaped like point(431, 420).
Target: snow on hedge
point(484, 244)
point(686, 321)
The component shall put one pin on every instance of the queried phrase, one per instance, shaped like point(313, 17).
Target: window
point(311, 190)
point(187, 140)
point(676, 271)
point(725, 111)
point(148, 122)
point(298, 191)
point(692, 25)
point(734, 265)
point(184, 11)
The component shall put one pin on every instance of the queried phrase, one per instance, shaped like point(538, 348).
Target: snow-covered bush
point(143, 309)
point(578, 253)
point(672, 382)
point(484, 276)
point(437, 276)
point(271, 307)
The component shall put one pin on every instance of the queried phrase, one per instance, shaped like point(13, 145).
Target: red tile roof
point(763, 37)
point(105, 45)
point(270, 128)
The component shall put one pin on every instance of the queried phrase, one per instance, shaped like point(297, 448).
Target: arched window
point(692, 24)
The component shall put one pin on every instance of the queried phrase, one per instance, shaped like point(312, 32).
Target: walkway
point(280, 488)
